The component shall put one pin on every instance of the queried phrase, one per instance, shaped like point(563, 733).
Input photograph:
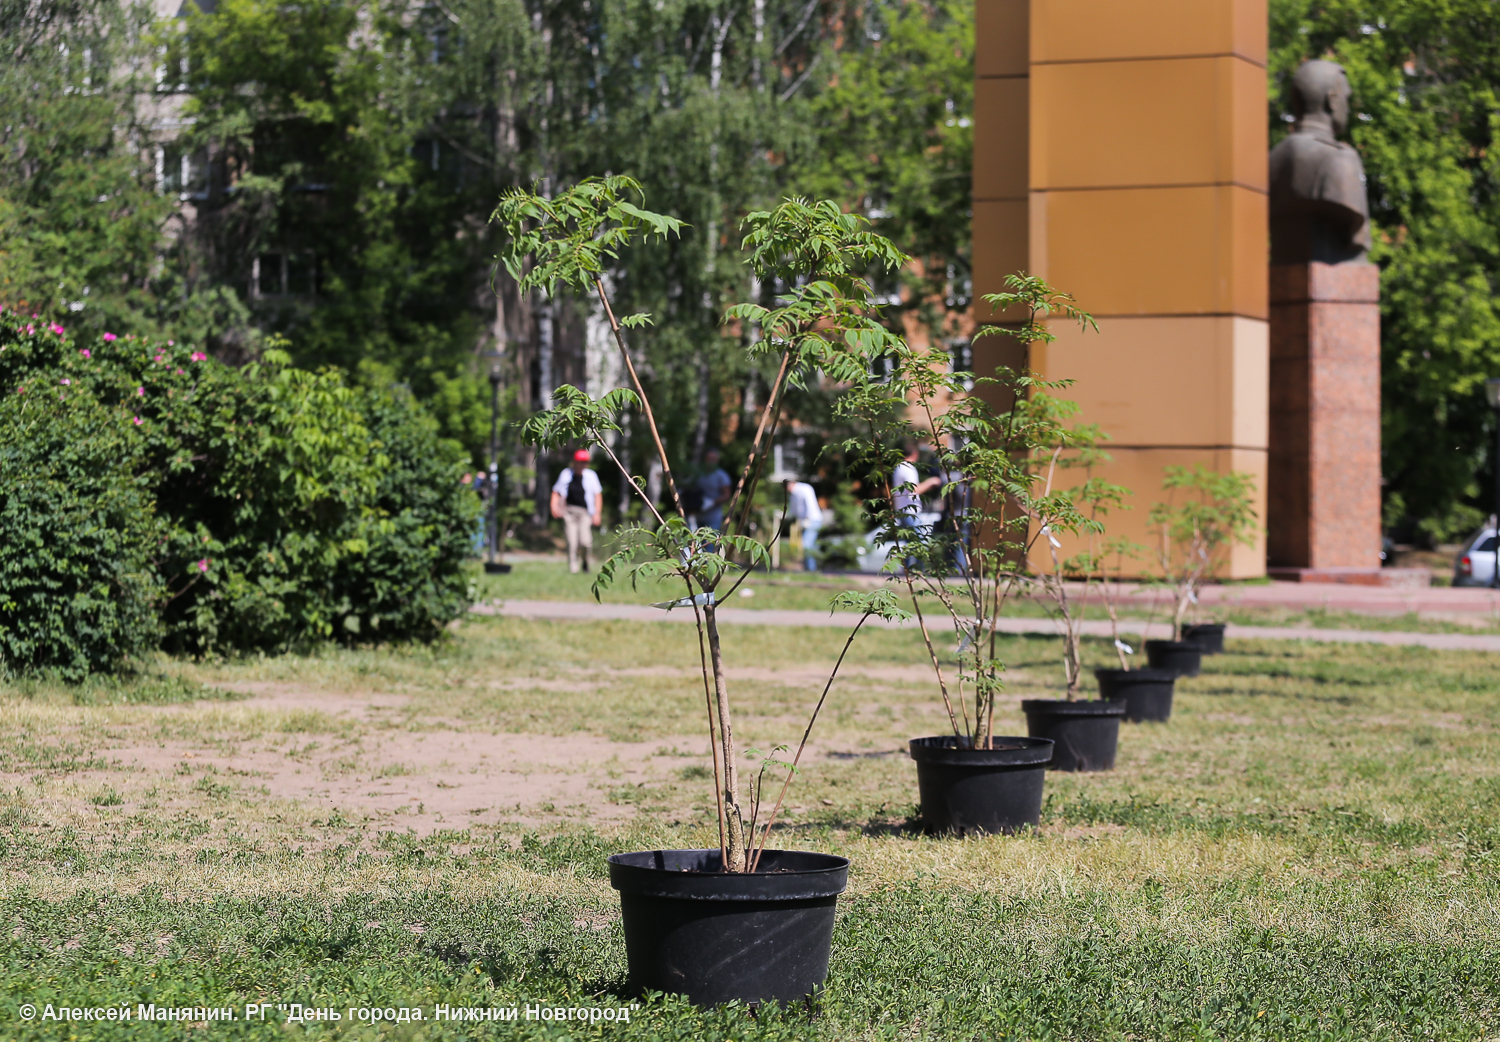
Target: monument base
point(1323, 486)
point(1394, 578)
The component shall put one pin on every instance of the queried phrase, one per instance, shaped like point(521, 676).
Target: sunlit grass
point(1310, 848)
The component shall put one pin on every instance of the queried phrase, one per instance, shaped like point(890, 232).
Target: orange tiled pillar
point(1144, 135)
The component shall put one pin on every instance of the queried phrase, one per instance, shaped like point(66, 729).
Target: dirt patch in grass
point(418, 781)
point(374, 758)
point(354, 755)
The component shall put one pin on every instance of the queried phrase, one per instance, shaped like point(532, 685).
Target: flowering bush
point(284, 517)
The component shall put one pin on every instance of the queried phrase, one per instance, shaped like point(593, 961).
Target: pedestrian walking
point(714, 487)
point(955, 521)
point(577, 499)
point(802, 506)
point(907, 489)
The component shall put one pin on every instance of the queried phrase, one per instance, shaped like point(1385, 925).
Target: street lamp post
point(496, 549)
point(1492, 392)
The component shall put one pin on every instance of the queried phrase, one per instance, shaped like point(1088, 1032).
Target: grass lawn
point(1310, 849)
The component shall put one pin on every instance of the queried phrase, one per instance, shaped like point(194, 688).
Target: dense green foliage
point(895, 139)
point(324, 171)
point(77, 590)
point(81, 219)
point(404, 575)
point(1426, 80)
point(293, 507)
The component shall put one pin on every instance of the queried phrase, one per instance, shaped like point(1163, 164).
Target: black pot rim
point(1199, 627)
point(1142, 675)
point(1185, 645)
point(1015, 751)
point(1078, 707)
point(784, 875)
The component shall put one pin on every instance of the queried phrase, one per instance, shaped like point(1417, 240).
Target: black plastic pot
point(1181, 657)
point(718, 936)
point(1209, 634)
point(1147, 693)
point(965, 791)
point(1084, 734)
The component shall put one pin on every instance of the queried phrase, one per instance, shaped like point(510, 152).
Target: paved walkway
point(1437, 602)
point(1434, 602)
point(579, 611)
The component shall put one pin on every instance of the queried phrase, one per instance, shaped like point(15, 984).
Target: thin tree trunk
point(758, 13)
point(544, 345)
point(734, 818)
point(700, 429)
point(635, 382)
point(932, 653)
point(719, 27)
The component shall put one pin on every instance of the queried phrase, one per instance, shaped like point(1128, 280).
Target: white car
point(874, 553)
point(1475, 563)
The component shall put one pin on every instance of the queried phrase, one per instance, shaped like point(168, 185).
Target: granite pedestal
point(1323, 488)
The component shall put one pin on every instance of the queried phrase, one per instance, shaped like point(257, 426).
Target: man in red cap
point(577, 498)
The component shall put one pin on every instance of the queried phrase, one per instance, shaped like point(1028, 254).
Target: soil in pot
point(1208, 634)
point(1085, 735)
point(1181, 657)
point(719, 936)
point(967, 791)
point(1147, 693)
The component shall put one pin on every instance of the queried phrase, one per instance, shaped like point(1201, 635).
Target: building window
point(182, 172)
point(961, 361)
point(283, 275)
point(428, 153)
point(301, 274)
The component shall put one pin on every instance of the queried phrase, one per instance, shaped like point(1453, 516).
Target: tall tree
point(80, 215)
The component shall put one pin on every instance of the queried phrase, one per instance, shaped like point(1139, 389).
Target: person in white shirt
point(907, 489)
point(577, 499)
point(802, 507)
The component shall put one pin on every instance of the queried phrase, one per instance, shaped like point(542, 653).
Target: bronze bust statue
point(1319, 211)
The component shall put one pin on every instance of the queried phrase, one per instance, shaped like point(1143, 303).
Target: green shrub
point(78, 593)
point(285, 518)
point(405, 577)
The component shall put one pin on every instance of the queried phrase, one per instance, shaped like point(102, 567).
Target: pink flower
point(109, 336)
point(199, 356)
point(137, 421)
point(85, 351)
point(160, 357)
point(140, 392)
point(59, 330)
point(171, 343)
point(30, 328)
point(203, 565)
point(66, 382)
point(179, 372)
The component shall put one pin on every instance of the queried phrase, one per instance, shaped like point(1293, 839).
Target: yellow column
point(1147, 201)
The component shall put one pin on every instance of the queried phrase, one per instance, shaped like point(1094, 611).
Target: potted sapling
point(1205, 515)
point(1145, 692)
point(1085, 732)
point(744, 921)
point(994, 437)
